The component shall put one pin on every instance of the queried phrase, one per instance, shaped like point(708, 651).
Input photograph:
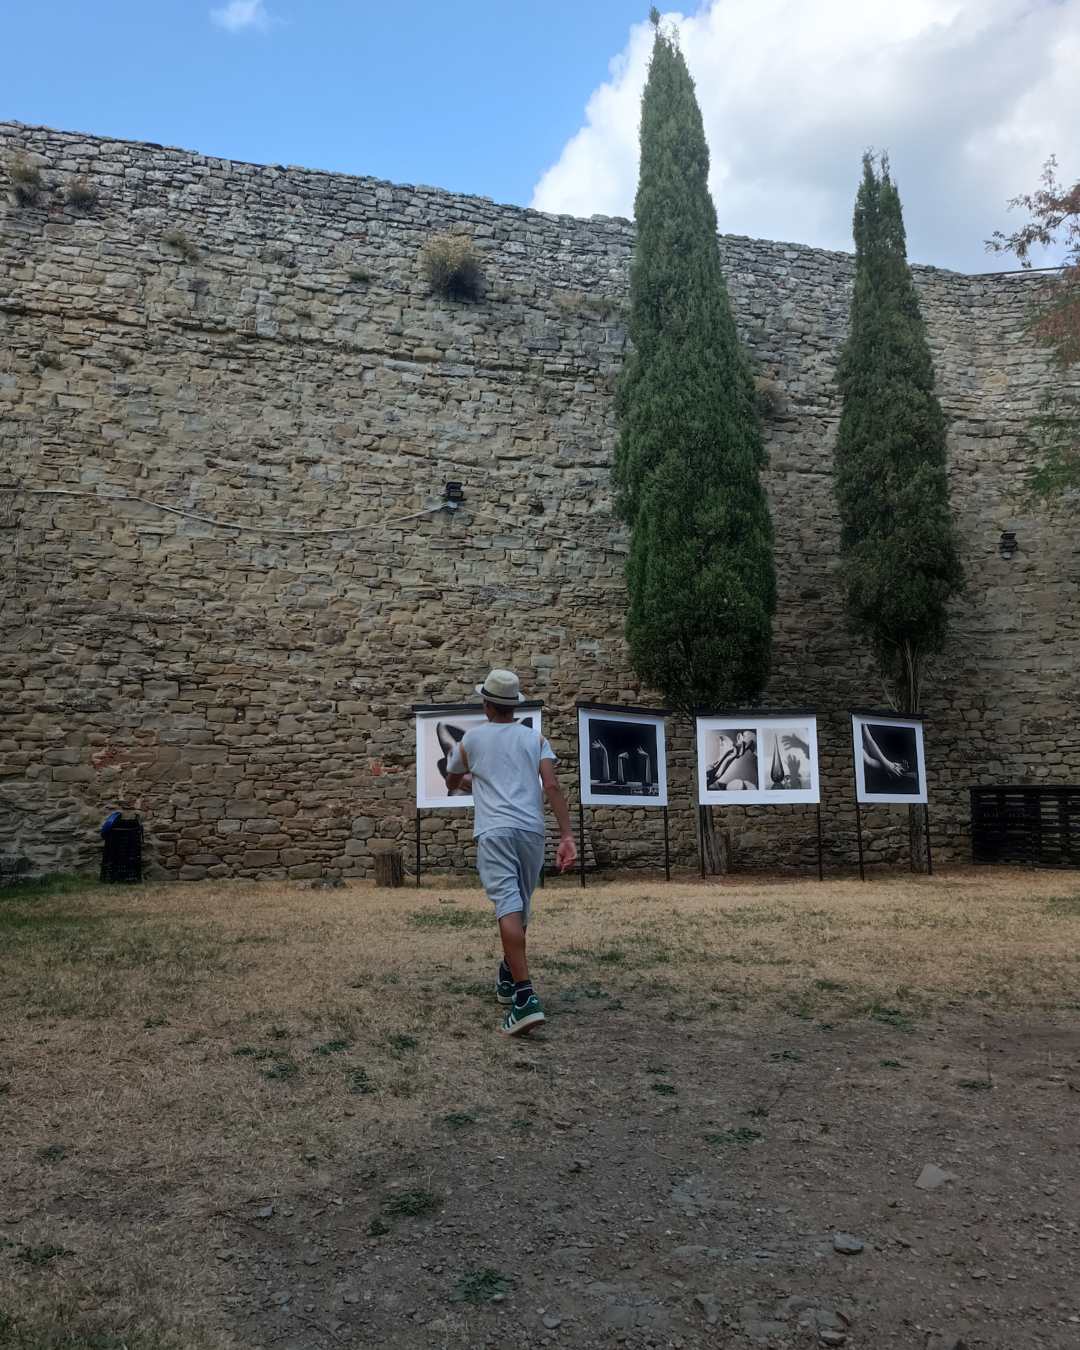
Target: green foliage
point(897, 541)
point(700, 571)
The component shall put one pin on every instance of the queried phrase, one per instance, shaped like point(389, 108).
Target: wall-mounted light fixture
point(1007, 544)
point(453, 496)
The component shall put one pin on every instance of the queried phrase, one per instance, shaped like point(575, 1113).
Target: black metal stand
point(858, 828)
point(820, 859)
point(701, 838)
point(418, 847)
point(581, 840)
point(667, 847)
point(929, 855)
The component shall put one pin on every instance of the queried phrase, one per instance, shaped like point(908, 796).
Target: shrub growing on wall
point(451, 265)
point(700, 573)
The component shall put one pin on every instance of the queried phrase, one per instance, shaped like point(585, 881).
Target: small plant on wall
point(451, 265)
point(179, 241)
point(26, 180)
point(81, 194)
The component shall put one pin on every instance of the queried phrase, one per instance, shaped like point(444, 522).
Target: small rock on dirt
point(552, 1320)
point(847, 1244)
point(932, 1176)
point(710, 1306)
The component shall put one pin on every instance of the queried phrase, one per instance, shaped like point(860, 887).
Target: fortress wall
point(251, 690)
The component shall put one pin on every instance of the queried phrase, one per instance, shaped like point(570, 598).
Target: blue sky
point(477, 96)
point(536, 102)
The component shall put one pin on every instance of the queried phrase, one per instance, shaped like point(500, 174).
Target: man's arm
point(567, 851)
point(455, 779)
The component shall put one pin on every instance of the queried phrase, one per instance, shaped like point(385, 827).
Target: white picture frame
point(622, 756)
point(758, 759)
point(438, 728)
point(890, 759)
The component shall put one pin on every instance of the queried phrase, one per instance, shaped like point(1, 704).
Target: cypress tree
point(700, 572)
point(897, 541)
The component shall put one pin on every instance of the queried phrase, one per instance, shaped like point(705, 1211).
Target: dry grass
point(182, 1050)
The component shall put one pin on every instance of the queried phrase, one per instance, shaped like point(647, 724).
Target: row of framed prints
point(743, 759)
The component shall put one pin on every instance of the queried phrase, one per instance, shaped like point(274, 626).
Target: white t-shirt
point(504, 760)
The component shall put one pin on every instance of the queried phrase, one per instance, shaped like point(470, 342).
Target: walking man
point(511, 768)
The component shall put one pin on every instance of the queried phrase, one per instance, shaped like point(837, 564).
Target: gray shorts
point(509, 863)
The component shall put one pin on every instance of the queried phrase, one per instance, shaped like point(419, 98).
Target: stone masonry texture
point(257, 343)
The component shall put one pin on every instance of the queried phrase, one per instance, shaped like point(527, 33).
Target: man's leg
point(527, 857)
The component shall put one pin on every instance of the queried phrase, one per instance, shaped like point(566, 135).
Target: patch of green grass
point(459, 1120)
point(52, 1153)
point(450, 918)
point(786, 1056)
point(152, 1023)
point(378, 1227)
point(402, 1043)
point(890, 1017)
point(758, 1112)
point(612, 956)
point(52, 883)
point(890, 1063)
point(664, 1089)
point(558, 965)
point(655, 1068)
point(283, 1067)
point(331, 1047)
point(43, 1253)
point(975, 1084)
point(1058, 904)
point(472, 988)
point(412, 1204)
point(830, 986)
point(360, 1085)
point(481, 1286)
point(741, 1135)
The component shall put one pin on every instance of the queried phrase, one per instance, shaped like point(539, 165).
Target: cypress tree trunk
point(897, 540)
point(700, 580)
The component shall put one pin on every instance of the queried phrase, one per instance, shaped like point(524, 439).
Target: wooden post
point(389, 868)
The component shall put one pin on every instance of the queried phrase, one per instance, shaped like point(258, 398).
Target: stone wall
point(257, 344)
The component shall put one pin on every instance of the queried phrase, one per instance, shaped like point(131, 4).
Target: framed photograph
point(438, 729)
point(623, 756)
point(890, 765)
point(758, 759)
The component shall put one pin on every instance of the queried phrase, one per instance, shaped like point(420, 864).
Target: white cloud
point(240, 14)
point(968, 96)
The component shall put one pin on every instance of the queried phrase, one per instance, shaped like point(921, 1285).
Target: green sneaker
point(517, 1020)
point(504, 991)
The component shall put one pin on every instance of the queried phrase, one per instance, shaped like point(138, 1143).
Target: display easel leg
point(820, 858)
point(929, 855)
point(418, 848)
point(858, 828)
point(701, 839)
point(581, 840)
point(667, 847)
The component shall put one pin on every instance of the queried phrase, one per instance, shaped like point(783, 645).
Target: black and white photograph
point(748, 760)
point(789, 757)
point(437, 732)
point(623, 758)
point(889, 761)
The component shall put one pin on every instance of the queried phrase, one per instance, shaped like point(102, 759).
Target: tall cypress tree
point(897, 541)
point(700, 572)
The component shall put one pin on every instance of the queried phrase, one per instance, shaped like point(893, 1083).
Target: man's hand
point(566, 855)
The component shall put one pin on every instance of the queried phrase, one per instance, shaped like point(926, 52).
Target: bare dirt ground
point(270, 1116)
